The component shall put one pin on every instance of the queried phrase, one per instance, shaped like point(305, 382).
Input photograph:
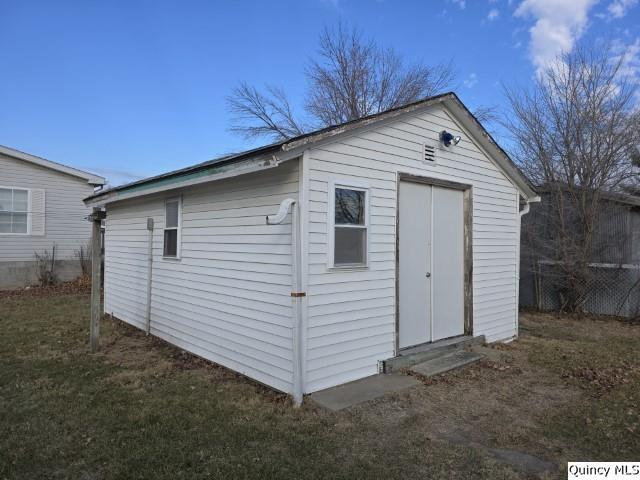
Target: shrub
point(84, 256)
point(46, 267)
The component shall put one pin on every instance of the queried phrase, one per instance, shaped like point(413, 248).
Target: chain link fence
point(610, 290)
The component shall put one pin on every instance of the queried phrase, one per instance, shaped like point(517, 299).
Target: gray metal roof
point(616, 197)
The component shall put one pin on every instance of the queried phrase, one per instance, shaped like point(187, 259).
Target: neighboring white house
point(400, 240)
point(40, 206)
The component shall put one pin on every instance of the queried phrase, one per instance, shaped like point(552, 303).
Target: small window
point(350, 226)
point(14, 210)
point(172, 219)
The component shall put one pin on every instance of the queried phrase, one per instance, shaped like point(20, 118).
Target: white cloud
point(471, 81)
point(629, 56)
point(460, 3)
point(558, 24)
point(619, 8)
point(493, 14)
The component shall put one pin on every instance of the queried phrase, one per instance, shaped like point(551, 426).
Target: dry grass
point(567, 390)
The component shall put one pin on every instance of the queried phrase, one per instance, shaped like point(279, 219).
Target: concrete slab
point(363, 390)
point(445, 363)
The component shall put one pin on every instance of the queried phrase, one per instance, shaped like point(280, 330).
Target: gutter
point(187, 179)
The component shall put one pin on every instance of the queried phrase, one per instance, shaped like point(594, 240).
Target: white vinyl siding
point(351, 314)
point(57, 213)
point(228, 298)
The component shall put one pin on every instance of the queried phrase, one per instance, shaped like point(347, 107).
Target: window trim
point(178, 228)
point(28, 212)
point(331, 225)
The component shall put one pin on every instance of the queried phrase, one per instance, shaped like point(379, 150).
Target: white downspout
point(147, 318)
point(296, 294)
point(521, 213)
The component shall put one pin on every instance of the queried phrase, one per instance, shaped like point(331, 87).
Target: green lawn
point(569, 389)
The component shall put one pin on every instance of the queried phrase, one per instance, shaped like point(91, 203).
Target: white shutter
point(37, 212)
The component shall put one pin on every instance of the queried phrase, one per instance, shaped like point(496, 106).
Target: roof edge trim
point(43, 162)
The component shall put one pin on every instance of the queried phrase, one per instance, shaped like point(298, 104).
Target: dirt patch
point(79, 286)
point(601, 381)
point(495, 405)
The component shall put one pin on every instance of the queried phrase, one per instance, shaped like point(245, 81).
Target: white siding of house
point(227, 298)
point(351, 314)
point(65, 225)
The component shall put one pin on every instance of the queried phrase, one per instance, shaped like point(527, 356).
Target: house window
point(14, 210)
point(172, 219)
point(350, 226)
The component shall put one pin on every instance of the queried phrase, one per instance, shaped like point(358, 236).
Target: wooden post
point(96, 273)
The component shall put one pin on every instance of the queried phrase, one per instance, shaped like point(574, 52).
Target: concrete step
point(363, 390)
point(422, 353)
point(445, 363)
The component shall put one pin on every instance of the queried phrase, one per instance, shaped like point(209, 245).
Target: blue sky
point(128, 89)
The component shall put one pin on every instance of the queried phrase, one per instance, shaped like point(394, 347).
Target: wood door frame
point(467, 214)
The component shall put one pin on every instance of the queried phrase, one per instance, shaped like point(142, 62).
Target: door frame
point(467, 220)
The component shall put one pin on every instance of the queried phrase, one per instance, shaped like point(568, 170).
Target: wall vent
point(429, 153)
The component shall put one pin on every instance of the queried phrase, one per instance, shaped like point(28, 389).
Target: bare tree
point(352, 77)
point(573, 135)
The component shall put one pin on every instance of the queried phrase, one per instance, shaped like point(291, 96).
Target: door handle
point(428, 274)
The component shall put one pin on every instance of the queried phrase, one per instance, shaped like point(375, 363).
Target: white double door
point(431, 263)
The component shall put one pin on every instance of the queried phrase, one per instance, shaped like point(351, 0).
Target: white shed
point(383, 233)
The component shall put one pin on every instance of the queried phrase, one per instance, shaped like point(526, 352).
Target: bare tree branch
point(257, 114)
point(352, 77)
point(486, 114)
